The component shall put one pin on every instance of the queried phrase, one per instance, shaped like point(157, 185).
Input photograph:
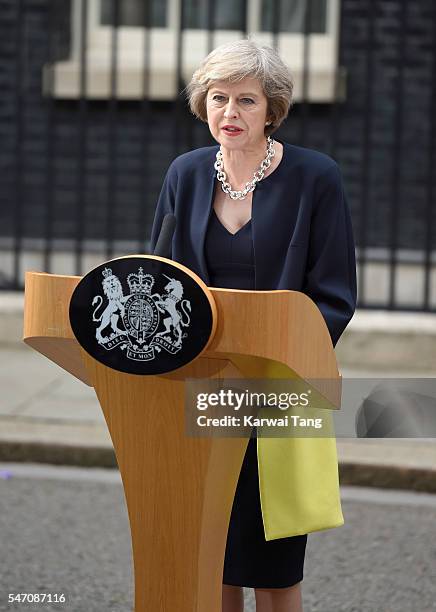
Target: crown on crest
point(140, 283)
point(107, 272)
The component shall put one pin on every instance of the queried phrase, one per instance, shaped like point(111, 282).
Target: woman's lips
point(232, 132)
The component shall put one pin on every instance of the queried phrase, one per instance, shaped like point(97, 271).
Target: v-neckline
point(224, 227)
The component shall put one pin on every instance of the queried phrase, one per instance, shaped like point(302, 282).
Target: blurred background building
point(92, 113)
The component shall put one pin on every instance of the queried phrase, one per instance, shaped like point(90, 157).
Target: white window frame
point(325, 80)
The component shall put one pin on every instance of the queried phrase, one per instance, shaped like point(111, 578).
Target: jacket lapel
point(201, 213)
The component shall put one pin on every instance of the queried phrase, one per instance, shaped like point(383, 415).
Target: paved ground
point(65, 530)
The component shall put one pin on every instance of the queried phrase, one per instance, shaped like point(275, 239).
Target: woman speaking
point(259, 214)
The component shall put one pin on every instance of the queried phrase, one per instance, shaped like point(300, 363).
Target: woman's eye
point(218, 98)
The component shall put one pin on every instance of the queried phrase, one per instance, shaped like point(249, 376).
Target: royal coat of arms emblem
point(142, 323)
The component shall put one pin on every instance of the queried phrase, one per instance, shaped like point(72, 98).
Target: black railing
point(81, 171)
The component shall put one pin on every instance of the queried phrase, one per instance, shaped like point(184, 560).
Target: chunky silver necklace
point(257, 176)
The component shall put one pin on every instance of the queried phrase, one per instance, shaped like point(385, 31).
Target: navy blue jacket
point(302, 233)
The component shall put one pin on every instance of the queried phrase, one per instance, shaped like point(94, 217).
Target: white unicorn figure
point(168, 303)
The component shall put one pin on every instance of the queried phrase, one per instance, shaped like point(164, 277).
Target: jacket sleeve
point(165, 204)
point(330, 279)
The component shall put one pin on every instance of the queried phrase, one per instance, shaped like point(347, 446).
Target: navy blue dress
point(250, 560)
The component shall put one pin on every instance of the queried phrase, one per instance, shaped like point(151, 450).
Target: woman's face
point(237, 113)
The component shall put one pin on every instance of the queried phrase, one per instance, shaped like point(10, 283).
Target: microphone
point(163, 244)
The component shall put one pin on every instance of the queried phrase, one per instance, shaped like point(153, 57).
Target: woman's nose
point(230, 109)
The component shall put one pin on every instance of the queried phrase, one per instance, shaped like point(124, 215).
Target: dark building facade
point(78, 173)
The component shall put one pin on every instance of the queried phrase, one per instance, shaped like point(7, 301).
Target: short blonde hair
point(238, 60)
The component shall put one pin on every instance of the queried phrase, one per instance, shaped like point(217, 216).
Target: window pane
point(292, 15)
point(226, 14)
point(132, 12)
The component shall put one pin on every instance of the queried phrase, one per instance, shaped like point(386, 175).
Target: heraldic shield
point(142, 314)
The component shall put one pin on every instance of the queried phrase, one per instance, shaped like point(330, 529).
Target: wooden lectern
point(179, 490)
